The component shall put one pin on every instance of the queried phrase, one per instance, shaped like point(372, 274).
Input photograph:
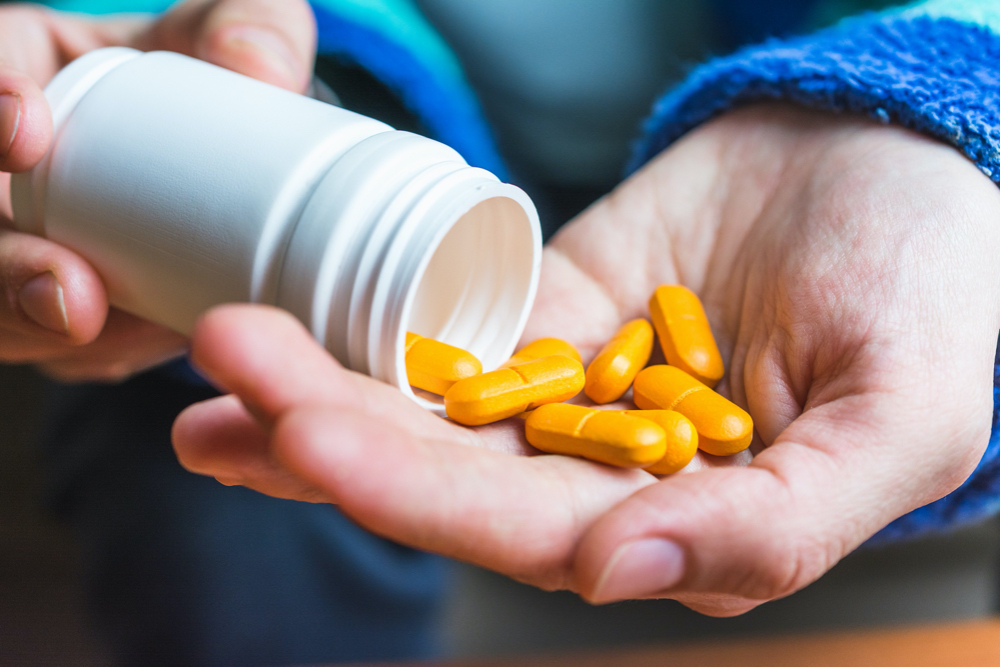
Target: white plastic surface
point(181, 181)
point(27, 190)
point(188, 186)
point(474, 290)
point(422, 243)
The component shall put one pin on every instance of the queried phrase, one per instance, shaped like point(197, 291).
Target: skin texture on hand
point(55, 311)
point(848, 271)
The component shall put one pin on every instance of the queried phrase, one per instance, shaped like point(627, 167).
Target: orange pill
point(611, 372)
point(684, 333)
point(723, 427)
point(606, 436)
point(682, 439)
point(505, 392)
point(435, 366)
point(543, 347)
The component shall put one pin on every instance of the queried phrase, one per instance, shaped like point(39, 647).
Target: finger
point(35, 43)
point(127, 345)
point(267, 358)
point(518, 515)
point(25, 121)
point(54, 299)
point(393, 467)
point(39, 42)
point(726, 540)
point(220, 438)
point(269, 40)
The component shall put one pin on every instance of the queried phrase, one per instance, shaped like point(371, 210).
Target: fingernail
point(271, 48)
point(10, 119)
point(41, 299)
point(640, 569)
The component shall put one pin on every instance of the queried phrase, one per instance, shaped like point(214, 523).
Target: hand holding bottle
point(56, 311)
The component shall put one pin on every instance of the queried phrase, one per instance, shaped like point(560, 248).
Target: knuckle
point(20, 13)
point(787, 567)
point(726, 606)
point(795, 547)
point(19, 348)
point(297, 9)
point(969, 450)
point(960, 440)
point(75, 373)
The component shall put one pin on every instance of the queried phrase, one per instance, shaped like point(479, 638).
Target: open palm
point(848, 270)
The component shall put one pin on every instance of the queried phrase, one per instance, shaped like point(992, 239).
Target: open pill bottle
point(187, 186)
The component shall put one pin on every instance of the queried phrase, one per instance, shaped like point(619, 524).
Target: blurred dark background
point(43, 620)
point(42, 615)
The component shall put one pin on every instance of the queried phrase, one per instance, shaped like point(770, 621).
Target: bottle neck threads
point(402, 235)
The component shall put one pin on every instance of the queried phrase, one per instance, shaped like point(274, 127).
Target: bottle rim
point(400, 234)
point(490, 315)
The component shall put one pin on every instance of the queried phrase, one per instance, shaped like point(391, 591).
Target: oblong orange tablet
point(723, 427)
point(436, 366)
point(682, 439)
point(611, 372)
point(684, 333)
point(543, 347)
point(505, 392)
point(606, 436)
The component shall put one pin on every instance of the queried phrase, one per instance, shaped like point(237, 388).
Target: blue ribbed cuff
point(937, 76)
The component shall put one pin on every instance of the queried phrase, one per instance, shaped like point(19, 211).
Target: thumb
point(270, 40)
point(724, 540)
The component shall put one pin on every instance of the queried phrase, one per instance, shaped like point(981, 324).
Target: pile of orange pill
point(678, 413)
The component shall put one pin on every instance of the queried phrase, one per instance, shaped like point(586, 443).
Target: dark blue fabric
point(939, 77)
point(747, 21)
point(447, 107)
point(181, 570)
point(181, 369)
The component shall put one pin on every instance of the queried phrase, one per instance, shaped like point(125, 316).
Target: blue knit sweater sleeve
point(932, 67)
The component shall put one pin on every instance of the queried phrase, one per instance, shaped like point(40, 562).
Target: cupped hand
point(849, 272)
point(56, 311)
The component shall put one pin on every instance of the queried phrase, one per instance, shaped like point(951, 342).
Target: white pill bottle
point(186, 186)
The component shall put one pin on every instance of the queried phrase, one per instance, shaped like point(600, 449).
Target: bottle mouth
point(402, 235)
point(476, 288)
